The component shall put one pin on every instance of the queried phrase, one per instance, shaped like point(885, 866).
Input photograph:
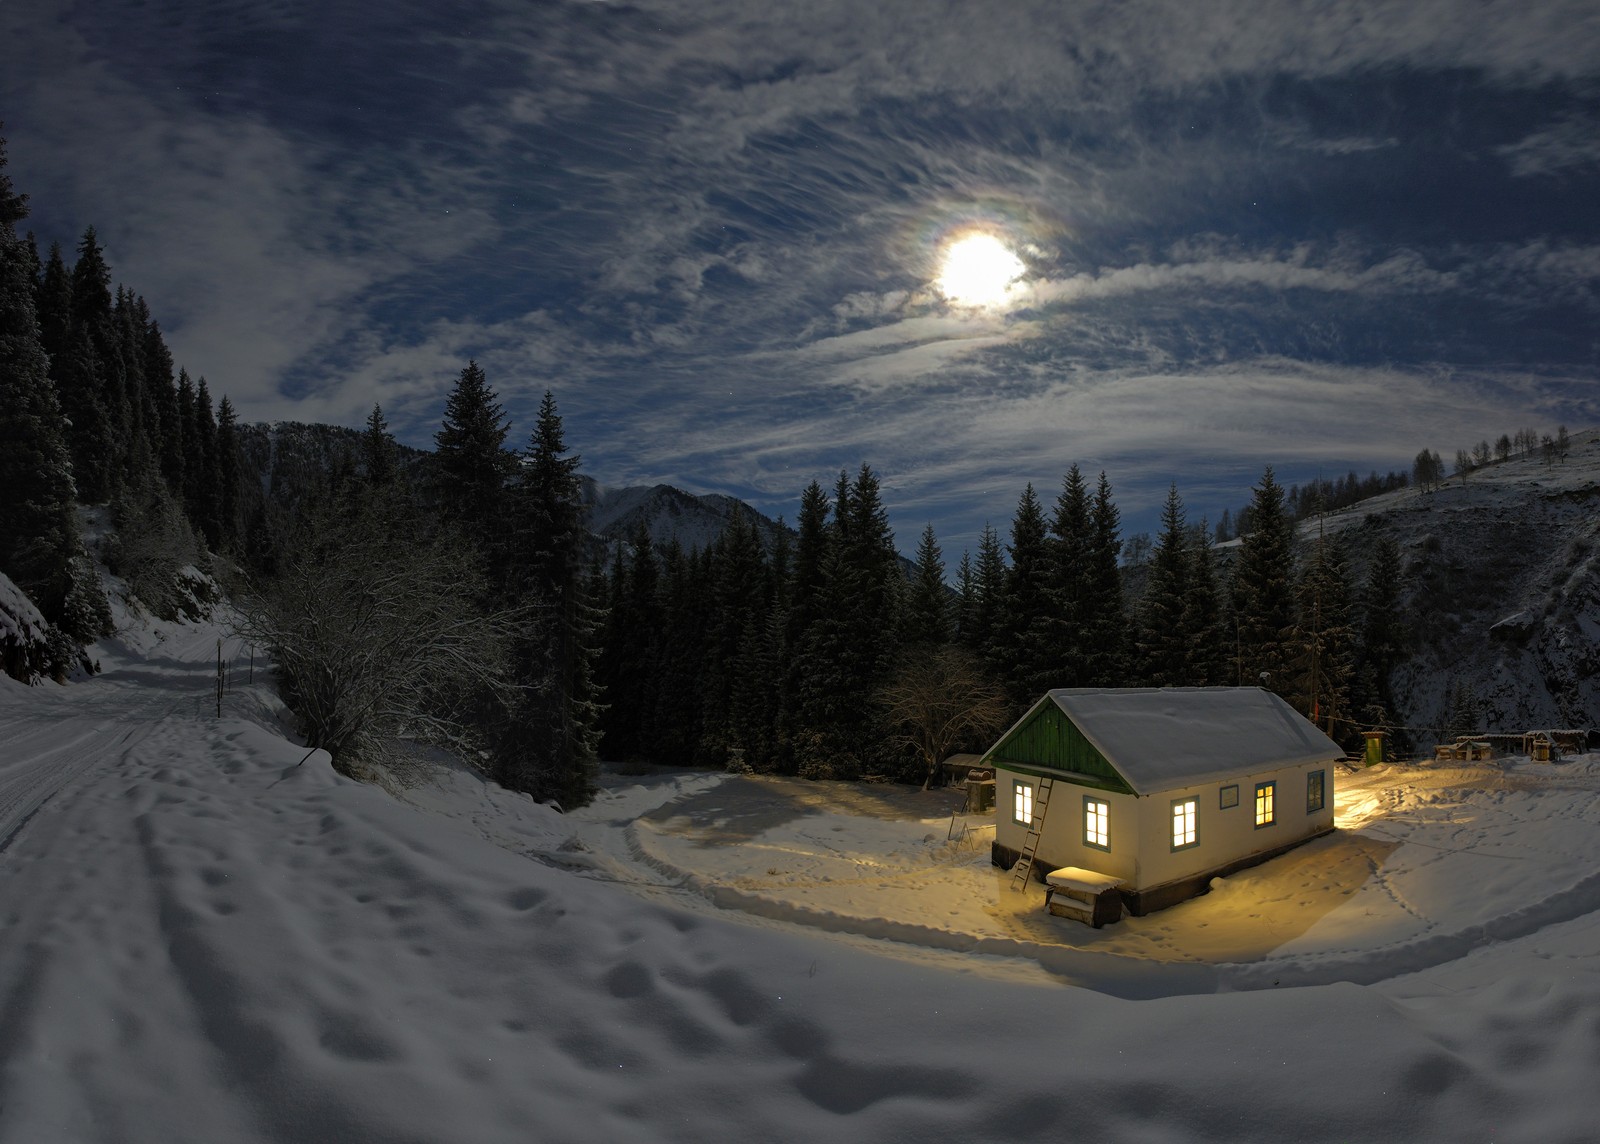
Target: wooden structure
point(1083, 895)
point(1374, 751)
point(1160, 789)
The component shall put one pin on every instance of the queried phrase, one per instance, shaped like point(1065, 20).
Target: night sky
point(1320, 235)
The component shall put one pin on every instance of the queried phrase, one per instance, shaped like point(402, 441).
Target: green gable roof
point(1044, 741)
point(1144, 740)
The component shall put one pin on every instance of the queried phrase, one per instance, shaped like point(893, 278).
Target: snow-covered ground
point(207, 939)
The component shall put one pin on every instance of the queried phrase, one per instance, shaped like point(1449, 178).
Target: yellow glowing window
point(1185, 823)
point(1265, 796)
point(1097, 823)
point(1024, 796)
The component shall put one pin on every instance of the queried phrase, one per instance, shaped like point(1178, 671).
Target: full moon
point(978, 271)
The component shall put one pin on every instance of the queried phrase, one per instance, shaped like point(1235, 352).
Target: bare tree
point(377, 635)
point(938, 700)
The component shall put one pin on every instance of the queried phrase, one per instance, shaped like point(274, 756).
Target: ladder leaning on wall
point(1023, 870)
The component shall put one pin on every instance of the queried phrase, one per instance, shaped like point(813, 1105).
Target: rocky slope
point(1502, 583)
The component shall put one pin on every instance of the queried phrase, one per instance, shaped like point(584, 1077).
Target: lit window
point(1227, 797)
point(1265, 795)
point(1185, 823)
point(1024, 796)
point(1097, 823)
point(1314, 792)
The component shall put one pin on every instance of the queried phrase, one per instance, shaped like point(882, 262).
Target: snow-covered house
point(1162, 788)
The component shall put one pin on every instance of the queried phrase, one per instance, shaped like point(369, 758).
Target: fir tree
point(1029, 612)
point(739, 596)
point(378, 450)
point(847, 649)
point(1104, 633)
point(926, 619)
point(229, 470)
point(164, 396)
point(1070, 587)
point(38, 528)
point(985, 634)
point(471, 464)
point(1263, 590)
point(685, 613)
point(1164, 637)
point(1204, 623)
point(1383, 631)
point(550, 745)
point(90, 437)
point(54, 302)
point(203, 495)
point(966, 596)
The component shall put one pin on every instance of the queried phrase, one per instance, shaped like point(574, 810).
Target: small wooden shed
point(1162, 789)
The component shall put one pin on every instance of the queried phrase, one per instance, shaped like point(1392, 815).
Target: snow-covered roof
point(1161, 738)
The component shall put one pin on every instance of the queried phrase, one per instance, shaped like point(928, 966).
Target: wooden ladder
point(1023, 870)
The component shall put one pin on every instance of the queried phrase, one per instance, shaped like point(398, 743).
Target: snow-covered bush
point(377, 636)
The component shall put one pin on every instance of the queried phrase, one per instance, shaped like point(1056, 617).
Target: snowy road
point(203, 941)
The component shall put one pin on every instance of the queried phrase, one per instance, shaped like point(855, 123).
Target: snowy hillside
point(1502, 584)
point(211, 936)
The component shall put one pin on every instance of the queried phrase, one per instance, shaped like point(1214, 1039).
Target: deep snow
point(205, 941)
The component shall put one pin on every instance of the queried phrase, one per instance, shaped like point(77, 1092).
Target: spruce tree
point(1028, 626)
point(229, 467)
point(378, 451)
point(926, 619)
point(1164, 637)
point(38, 527)
point(739, 594)
point(685, 597)
point(966, 596)
point(164, 396)
point(204, 492)
point(1104, 632)
point(1263, 591)
point(54, 302)
point(1205, 624)
point(1384, 635)
point(986, 636)
point(1070, 582)
point(551, 741)
point(93, 317)
point(471, 463)
point(850, 645)
point(90, 438)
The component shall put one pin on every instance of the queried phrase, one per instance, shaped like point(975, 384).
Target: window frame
point(1019, 785)
point(1222, 796)
point(1172, 823)
point(1105, 822)
point(1320, 778)
point(1270, 787)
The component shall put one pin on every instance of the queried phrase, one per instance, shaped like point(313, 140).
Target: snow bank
point(208, 939)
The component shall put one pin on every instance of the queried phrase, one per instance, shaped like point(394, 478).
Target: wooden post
point(219, 679)
point(1374, 747)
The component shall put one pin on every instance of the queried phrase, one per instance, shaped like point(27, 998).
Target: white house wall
point(1228, 835)
point(1141, 827)
point(1061, 843)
